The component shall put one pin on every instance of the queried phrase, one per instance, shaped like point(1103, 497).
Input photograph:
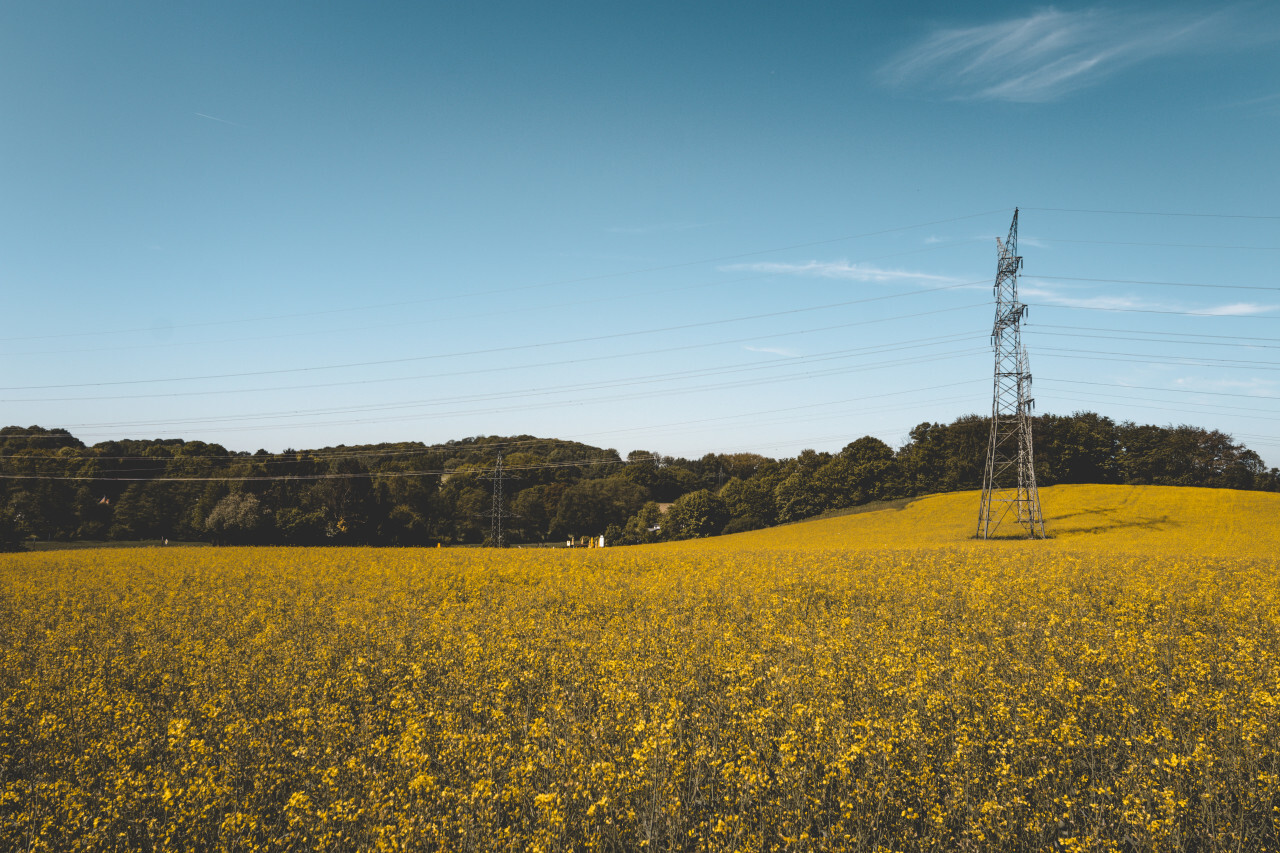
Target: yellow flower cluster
point(878, 684)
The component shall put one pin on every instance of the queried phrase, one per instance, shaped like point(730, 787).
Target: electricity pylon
point(1009, 479)
point(497, 537)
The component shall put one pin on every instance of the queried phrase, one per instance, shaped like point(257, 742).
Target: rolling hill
point(1148, 519)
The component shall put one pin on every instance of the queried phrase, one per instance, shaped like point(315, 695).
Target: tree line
point(54, 487)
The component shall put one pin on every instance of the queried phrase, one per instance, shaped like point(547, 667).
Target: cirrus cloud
point(1047, 54)
point(837, 269)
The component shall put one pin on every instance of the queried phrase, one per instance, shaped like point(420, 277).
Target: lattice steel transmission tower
point(497, 537)
point(1009, 480)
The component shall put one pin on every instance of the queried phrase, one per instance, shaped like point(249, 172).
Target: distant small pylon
point(497, 536)
point(1009, 478)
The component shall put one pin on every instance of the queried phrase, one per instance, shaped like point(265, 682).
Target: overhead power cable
point(506, 369)
point(488, 314)
point(1156, 283)
point(1141, 358)
point(1181, 360)
point(262, 478)
point(491, 350)
point(519, 288)
point(646, 379)
point(693, 389)
point(1148, 407)
point(1181, 343)
point(1234, 338)
point(1152, 213)
point(1162, 390)
point(1214, 406)
point(1219, 315)
point(507, 445)
point(477, 469)
point(1161, 245)
point(304, 456)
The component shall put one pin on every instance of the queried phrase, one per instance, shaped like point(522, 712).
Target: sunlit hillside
point(1148, 519)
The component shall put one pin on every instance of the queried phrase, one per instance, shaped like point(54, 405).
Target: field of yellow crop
point(876, 682)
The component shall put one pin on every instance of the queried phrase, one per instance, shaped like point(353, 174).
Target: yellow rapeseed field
point(876, 682)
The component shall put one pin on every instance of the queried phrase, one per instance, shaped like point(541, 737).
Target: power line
point(1159, 311)
point(1180, 342)
point(1039, 327)
point(492, 350)
point(1213, 407)
point(790, 411)
point(1140, 358)
point(498, 369)
point(781, 415)
point(264, 478)
point(1163, 245)
point(294, 456)
point(696, 389)
point(470, 470)
point(487, 314)
point(1151, 213)
point(1164, 390)
point(1157, 283)
point(520, 288)
point(466, 470)
point(605, 384)
point(212, 392)
point(751, 375)
point(661, 377)
point(584, 462)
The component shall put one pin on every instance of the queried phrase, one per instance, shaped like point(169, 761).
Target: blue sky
point(678, 227)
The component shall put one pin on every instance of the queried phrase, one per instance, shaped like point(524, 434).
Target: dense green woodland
point(56, 488)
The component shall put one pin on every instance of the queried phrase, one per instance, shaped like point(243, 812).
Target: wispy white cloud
point(1131, 302)
point(1047, 54)
point(1238, 309)
point(837, 269)
point(782, 351)
point(1106, 302)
